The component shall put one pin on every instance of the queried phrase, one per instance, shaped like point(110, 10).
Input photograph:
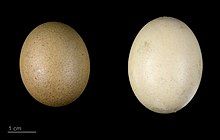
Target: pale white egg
point(165, 65)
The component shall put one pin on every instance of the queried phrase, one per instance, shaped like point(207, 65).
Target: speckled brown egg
point(54, 64)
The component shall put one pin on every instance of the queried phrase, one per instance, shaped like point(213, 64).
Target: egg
point(54, 64)
point(165, 65)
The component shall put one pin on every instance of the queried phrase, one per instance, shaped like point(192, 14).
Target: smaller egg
point(165, 65)
point(54, 64)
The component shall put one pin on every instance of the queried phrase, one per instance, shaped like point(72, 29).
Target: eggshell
point(165, 65)
point(54, 64)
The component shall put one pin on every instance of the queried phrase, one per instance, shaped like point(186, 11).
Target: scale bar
point(22, 132)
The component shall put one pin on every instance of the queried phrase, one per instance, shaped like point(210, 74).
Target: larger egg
point(54, 64)
point(165, 65)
